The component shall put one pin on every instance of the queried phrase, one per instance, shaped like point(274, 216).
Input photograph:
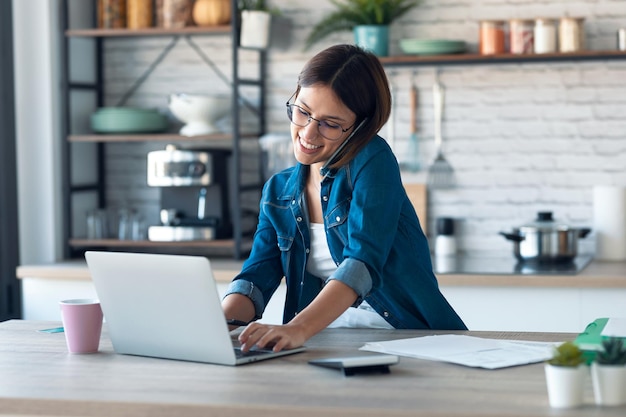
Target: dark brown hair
point(358, 79)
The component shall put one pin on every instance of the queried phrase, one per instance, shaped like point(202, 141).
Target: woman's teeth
point(309, 146)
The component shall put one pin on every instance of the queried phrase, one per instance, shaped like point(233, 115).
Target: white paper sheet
point(615, 326)
point(467, 350)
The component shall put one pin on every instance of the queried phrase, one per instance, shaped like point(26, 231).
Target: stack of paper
point(467, 350)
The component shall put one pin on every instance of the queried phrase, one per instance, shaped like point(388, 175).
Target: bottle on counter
point(545, 36)
point(445, 243)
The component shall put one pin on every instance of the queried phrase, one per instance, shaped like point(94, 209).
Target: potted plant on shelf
point(608, 373)
point(369, 20)
point(565, 376)
point(256, 19)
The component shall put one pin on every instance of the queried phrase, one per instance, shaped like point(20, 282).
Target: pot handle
point(512, 236)
point(584, 232)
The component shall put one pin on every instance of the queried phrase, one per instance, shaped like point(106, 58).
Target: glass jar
point(521, 36)
point(177, 13)
point(545, 36)
point(139, 14)
point(491, 39)
point(112, 14)
point(571, 34)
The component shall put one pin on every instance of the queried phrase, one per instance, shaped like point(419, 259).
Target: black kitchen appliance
point(194, 191)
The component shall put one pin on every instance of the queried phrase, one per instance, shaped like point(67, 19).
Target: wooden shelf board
point(156, 137)
point(460, 59)
point(153, 31)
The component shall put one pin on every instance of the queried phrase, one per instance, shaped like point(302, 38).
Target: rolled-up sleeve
point(248, 289)
point(354, 274)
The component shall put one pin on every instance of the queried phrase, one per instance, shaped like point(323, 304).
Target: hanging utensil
point(412, 163)
point(440, 172)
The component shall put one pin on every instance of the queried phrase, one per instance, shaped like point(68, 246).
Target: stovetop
point(506, 265)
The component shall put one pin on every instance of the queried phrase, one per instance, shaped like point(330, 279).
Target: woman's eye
point(303, 113)
point(329, 125)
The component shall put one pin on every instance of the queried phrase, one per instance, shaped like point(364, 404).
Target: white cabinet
point(536, 309)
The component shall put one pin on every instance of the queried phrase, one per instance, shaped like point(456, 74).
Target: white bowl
point(199, 112)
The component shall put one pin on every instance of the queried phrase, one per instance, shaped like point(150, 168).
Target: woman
point(338, 226)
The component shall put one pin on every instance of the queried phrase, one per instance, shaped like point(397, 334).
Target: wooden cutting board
point(419, 197)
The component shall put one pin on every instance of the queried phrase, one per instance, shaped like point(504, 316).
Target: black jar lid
point(445, 226)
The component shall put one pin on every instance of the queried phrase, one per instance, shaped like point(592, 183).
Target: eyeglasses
point(300, 117)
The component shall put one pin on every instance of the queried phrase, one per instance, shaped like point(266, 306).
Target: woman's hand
point(329, 304)
point(278, 337)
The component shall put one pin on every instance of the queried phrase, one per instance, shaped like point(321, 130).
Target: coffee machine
point(194, 194)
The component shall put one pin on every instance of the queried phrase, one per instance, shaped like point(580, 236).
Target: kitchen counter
point(598, 274)
point(485, 301)
point(46, 380)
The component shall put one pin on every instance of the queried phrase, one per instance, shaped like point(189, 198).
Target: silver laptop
point(166, 306)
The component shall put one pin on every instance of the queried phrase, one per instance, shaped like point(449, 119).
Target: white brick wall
point(521, 137)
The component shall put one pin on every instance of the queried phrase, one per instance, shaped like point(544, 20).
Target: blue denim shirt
point(374, 238)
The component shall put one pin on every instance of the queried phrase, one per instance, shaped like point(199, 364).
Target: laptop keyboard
point(254, 352)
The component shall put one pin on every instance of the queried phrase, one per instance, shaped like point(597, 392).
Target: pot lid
point(544, 223)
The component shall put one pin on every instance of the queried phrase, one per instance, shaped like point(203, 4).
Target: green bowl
point(127, 120)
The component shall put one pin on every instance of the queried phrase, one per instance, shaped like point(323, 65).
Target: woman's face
point(310, 147)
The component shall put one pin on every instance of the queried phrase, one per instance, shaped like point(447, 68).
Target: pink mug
point(82, 323)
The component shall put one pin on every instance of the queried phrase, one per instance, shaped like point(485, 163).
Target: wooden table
point(39, 377)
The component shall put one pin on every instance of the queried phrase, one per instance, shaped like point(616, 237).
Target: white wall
point(37, 128)
point(521, 137)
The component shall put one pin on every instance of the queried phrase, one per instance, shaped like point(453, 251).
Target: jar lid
point(445, 226)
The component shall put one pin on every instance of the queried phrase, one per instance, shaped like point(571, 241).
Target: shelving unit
point(239, 244)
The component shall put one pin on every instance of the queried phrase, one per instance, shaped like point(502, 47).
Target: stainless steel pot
point(545, 240)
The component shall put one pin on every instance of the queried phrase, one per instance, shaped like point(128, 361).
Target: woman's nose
point(311, 130)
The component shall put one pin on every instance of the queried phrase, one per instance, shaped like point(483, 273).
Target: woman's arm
point(330, 303)
point(238, 307)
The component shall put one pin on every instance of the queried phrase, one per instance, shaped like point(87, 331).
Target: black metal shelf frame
point(98, 88)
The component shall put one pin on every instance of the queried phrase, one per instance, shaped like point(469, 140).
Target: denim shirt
point(373, 234)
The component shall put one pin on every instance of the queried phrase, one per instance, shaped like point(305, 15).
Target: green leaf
point(351, 13)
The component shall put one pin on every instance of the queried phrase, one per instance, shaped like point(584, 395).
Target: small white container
point(255, 29)
point(621, 39)
point(565, 385)
point(571, 34)
point(445, 243)
point(544, 36)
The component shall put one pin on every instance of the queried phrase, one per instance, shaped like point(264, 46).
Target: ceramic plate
point(431, 46)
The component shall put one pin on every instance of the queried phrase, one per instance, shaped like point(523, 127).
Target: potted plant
point(608, 373)
point(368, 19)
point(256, 18)
point(565, 376)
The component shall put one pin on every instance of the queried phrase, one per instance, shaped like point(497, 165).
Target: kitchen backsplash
point(522, 138)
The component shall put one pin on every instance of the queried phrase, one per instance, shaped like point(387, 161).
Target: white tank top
point(321, 265)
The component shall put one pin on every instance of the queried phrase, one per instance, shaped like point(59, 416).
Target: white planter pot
point(609, 384)
point(565, 385)
point(255, 29)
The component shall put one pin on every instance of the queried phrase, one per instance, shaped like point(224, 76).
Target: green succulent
point(567, 354)
point(614, 352)
point(351, 13)
point(259, 5)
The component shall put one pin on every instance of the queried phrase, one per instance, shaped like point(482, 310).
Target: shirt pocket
point(338, 215)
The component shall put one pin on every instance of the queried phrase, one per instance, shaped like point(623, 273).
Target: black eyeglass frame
point(290, 116)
